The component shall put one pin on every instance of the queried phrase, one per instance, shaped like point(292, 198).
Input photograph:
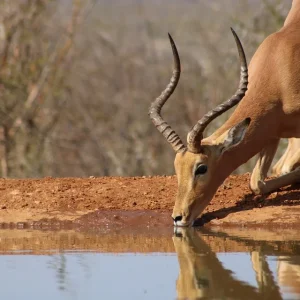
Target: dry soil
point(139, 201)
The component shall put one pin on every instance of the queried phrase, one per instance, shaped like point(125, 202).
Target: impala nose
point(177, 219)
point(180, 221)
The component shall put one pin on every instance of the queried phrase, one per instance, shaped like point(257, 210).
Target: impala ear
point(234, 135)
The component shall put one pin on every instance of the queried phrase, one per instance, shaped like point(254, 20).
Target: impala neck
point(262, 129)
point(294, 14)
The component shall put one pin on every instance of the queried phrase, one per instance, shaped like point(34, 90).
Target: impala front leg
point(290, 160)
point(262, 166)
point(279, 182)
point(277, 168)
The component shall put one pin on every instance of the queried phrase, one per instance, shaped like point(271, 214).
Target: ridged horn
point(156, 106)
point(196, 134)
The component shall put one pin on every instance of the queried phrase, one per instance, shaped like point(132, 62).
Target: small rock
point(15, 192)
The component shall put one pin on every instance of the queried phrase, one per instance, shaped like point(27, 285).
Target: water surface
point(187, 264)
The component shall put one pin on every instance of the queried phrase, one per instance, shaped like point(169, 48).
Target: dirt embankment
point(77, 199)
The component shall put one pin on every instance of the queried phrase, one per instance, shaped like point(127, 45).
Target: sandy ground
point(119, 201)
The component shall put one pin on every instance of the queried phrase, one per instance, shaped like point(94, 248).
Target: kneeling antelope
point(270, 110)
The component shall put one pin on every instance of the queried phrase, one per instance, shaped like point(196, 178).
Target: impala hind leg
point(279, 182)
point(262, 166)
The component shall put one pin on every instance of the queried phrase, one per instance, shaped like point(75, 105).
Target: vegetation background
point(77, 78)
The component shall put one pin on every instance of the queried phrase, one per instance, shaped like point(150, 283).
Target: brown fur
point(273, 104)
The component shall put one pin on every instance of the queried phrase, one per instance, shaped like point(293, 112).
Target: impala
point(269, 111)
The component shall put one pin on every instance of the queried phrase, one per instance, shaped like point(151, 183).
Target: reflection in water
point(288, 270)
point(264, 277)
point(202, 275)
point(232, 264)
point(61, 271)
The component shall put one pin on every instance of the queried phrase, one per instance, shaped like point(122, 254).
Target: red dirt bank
point(69, 198)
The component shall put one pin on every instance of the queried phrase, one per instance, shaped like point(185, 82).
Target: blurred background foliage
point(77, 78)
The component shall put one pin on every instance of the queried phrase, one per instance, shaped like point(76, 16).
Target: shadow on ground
point(290, 197)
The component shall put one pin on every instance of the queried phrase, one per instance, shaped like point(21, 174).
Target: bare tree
point(33, 70)
point(77, 78)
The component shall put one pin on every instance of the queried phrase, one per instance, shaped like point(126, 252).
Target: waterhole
point(150, 264)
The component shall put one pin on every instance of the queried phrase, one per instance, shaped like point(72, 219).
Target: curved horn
point(196, 134)
point(156, 106)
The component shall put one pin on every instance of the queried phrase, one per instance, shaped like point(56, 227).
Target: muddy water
point(150, 264)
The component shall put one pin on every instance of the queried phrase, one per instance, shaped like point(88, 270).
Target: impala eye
point(201, 169)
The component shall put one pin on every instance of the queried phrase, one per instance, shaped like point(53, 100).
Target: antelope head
point(199, 165)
